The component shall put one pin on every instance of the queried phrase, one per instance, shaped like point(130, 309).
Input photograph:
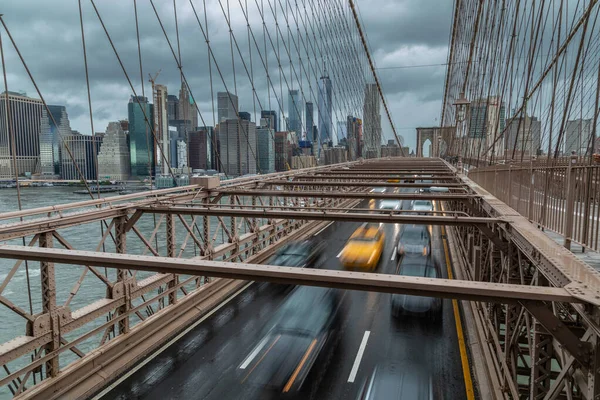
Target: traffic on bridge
point(274, 339)
point(275, 199)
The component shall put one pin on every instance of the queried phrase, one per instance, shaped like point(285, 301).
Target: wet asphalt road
point(205, 363)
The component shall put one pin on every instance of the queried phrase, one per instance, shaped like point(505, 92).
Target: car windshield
point(305, 310)
point(422, 203)
point(412, 234)
point(287, 260)
point(297, 249)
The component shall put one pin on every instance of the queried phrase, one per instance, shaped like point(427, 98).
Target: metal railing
point(562, 196)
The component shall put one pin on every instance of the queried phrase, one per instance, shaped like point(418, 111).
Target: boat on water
point(101, 189)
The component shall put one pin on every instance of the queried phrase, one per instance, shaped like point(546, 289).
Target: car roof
point(414, 227)
point(366, 231)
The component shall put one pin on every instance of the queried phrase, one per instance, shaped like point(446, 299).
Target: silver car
point(403, 304)
point(422, 206)
point(414, 240)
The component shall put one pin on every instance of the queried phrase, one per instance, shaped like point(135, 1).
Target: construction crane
point(153, 79)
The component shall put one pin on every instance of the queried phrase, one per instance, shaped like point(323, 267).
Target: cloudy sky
point(401, 33)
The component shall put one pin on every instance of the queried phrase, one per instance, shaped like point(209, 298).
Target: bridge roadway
point(205, 363)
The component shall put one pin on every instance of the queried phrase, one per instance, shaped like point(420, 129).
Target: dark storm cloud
point(408, 32)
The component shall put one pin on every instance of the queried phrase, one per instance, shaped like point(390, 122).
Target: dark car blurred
point(389, 381)
point(302, 329)
point(304, 254)
point(414, 240)
point(403, 304)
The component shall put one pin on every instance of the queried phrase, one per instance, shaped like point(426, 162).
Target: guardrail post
point(570, 206)
point(270, 223)
point(171, 253)
point(48, 286)
point(586, 208)
point(531, 192)
point(122, 285)
point(233, 226)
point(495, 185)
point(510, 184)
point(208, 245)
point(254, 224)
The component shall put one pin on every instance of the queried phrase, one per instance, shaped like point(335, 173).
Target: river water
point(84, 237)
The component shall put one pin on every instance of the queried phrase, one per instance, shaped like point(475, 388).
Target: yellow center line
point(299, 367)
point(459, 330)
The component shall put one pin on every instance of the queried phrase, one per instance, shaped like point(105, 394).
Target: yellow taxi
point(394, 180)
point(364, 248)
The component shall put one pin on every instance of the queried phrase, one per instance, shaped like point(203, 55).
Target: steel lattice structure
point(532, 302)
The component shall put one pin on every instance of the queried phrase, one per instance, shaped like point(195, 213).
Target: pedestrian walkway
point(590, 257)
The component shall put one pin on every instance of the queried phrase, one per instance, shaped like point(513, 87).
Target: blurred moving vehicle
point(389, 205)
point(394, 180)
point(403, 304)
point(303, 328)
point(305, 254)
point(390, 382)
point(422, 206)
point(435, 189)
point(414, 240)
point(364, 247)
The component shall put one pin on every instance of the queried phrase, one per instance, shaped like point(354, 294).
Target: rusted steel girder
point(367, 176)
point(346, 195)
point(378, 216)
point(353, 182)
point(385, 283)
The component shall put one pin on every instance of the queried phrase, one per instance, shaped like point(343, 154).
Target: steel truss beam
point(356, 183)
point(345, 195)
point(376, 216)
point(358, 176)
point(385, 283)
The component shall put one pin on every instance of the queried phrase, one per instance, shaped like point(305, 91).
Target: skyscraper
point(24, 115)
point(295, 113)
point(113, 159)
point(245, 115)
point(199, 149)
point(172, 107)
point(310, 121)
point(523, 136)
point(281, 151)
point(50, 138)
point(186, 109)
point(227, 104)
point(372, 121)
point(271, 116)
point(577, 136)
point(82, 149)
point(352, 131)
point(265, 147)
point(325, 110)
point(342, 130)
point(238, 146)
point(141, 143)
point(487, 118)
point(161, 128)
